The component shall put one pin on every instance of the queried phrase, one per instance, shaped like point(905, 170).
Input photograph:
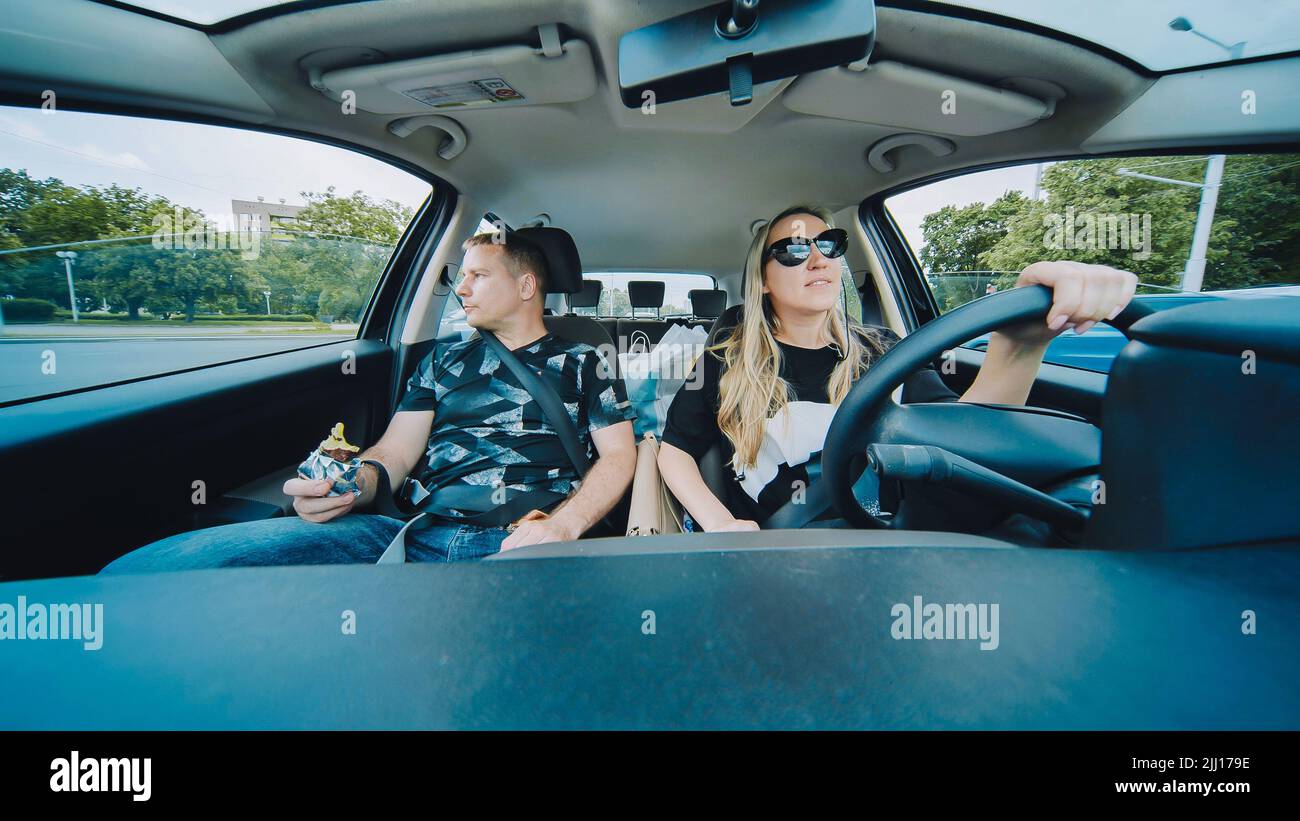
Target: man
point(484, 434)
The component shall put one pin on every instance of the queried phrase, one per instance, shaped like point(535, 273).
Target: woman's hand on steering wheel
point(1082, 296)
point(859, 421)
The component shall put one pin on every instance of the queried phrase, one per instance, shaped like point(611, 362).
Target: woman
point(768, 389)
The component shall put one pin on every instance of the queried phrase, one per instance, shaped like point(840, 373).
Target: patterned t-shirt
point(487, 430)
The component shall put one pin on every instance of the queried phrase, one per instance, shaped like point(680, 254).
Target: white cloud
point(21, 128)
point(27, 130)
point(122, 158)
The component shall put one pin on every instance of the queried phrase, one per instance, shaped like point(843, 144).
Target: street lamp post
point(1194, 271)
point(1194, 274)
point(69, 257)
point(268, 302)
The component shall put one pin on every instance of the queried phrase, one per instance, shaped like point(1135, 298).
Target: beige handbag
point(653, 511)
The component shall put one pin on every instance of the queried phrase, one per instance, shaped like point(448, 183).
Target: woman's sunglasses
point(792, 251)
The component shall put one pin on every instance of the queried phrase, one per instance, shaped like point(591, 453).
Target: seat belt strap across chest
point(546, 397)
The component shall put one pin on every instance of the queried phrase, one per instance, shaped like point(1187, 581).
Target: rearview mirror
point(733, 46)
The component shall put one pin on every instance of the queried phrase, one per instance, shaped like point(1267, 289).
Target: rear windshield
point(614, 301)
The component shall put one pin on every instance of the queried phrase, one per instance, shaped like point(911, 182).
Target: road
point(111, 357)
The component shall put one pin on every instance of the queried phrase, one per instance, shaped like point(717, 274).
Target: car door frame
point(53, 429)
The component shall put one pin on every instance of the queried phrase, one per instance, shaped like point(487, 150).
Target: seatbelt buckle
point(418, 493)
point(413, 492)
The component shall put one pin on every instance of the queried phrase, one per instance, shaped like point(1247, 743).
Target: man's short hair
point(522, 255)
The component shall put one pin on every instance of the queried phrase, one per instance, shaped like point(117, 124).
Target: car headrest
point(589, 296)
point(563, 266)
point(707, 303)
point(645, 294)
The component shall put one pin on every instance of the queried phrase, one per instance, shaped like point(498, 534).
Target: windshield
point(203, 12)
point(1165, 35)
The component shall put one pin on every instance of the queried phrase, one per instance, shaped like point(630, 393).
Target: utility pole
point(1194, 270)
point(1194, 273)
point(69, 257)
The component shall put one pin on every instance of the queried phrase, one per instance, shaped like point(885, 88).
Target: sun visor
point(468, 80)
point(902, 96)
point(1213, 107)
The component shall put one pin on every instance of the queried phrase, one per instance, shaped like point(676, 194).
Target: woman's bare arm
point(683, 478)
point(1082, 296)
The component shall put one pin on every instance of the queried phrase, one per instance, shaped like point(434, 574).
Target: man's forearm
point(368, 477)
point(601, 489)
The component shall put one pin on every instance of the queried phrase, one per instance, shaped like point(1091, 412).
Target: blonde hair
point(751, 389)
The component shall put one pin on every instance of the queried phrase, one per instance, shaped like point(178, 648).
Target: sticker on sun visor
point(471, 92)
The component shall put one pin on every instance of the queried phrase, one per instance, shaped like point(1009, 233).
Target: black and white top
point(792, 443)
point(488, 430)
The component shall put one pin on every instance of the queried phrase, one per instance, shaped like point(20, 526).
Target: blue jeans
point(352, 538)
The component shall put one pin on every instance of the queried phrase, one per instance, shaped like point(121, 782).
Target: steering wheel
point(867, 415)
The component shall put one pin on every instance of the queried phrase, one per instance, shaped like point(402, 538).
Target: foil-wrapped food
point(335, 461)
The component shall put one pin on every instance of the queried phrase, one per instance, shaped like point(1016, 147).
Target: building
point(263, 217)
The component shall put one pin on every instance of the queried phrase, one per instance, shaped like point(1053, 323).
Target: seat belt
point(791, 516)
point(469, 497)
point(497, 516)
point(545, 396)
point(817, 501)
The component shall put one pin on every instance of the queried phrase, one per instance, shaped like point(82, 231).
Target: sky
point(1220, 30)
point(1242, 28)
point(199, 166)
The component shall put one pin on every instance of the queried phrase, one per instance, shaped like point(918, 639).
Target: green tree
point(50, 212)
point(614, 302)
point(957, 241)
point(122, 275)
point(184, 278)
point(334, 270)
point(331, 269)
point(1254, 240)
point(956, 238)
point(319, 275)
point(11, 276)
point(379, 221)
point(1088, 193)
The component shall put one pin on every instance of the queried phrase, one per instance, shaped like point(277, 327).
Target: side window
point(1191, 227)
point(614, 300)
point(132, 247)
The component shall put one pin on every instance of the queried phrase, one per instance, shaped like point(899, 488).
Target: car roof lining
point(578, 161)
point(238, 21)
